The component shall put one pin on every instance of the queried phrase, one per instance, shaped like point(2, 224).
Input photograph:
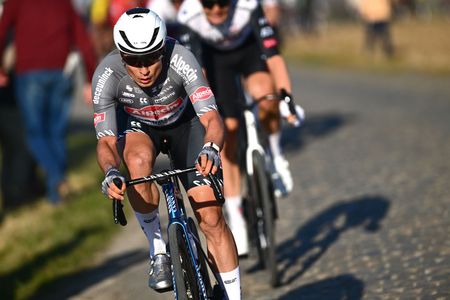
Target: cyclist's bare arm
point(108, 157)
point(278, 70)
point(214, 128)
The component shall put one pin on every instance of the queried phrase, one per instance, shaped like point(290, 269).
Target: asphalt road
point(369, 216)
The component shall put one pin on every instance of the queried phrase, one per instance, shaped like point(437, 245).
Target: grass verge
point(41, 243)
point(421, 46)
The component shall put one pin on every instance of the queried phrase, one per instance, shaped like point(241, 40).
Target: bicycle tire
point(185, 282)
point(202, 260)
point(264, 210)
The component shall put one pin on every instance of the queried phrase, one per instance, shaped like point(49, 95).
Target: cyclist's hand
point(292, 113)
point(208, 160)
point(109, 188)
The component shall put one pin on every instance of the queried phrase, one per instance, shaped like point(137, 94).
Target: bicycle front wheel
point(264, 213)
point(202, 260)
point(186, 286)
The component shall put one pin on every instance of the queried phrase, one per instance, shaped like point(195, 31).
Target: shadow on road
point(315, 126)
point(338, 288)
point(75, 283)
point(313, 239)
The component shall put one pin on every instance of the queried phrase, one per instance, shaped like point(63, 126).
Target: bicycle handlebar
point(119, 216)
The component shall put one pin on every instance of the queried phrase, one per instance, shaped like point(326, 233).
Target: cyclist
point(233, 39)
point(152, 88)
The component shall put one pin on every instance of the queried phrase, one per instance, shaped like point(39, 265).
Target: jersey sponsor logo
point(183, 69)
point(167, 95)
point(128, 88)
point(155, 112)
point(270, 43)
point(101, 84)
point(126, 100)
point(266, 32)
point(126, 94)
point(98, 118)
point(200, 94)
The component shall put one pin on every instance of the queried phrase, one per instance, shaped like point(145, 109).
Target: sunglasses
point(145, 60)
point(210, 3)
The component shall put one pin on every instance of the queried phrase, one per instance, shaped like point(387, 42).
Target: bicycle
point(190, 265)
point(259, 197)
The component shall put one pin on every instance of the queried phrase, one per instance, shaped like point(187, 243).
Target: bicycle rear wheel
point(264, 215)
point(186, 286)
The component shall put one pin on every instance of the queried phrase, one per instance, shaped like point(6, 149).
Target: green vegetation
point(41, 243)
point(421, 46)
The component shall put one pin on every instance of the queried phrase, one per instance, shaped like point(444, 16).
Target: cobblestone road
point(369, 217)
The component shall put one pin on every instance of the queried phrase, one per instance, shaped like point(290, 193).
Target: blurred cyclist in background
point(233, 40)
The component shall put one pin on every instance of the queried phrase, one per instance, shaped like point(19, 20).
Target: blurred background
point(44, 245)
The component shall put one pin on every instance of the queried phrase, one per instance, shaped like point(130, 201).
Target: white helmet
point(139, 31)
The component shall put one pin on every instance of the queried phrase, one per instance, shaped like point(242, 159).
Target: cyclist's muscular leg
point(232, 186)
point(139, 156)
point(231, 175)
point(220, 243)
point(260, 87)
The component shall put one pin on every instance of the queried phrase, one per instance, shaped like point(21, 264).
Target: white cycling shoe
point(282, 168)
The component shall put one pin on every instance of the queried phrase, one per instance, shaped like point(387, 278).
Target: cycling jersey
point(238, 47)
point(181, 84)
point(245, 19)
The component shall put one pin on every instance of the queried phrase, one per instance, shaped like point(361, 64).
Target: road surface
point(369, 216)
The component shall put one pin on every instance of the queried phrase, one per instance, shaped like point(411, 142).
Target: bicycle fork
point(252, 140)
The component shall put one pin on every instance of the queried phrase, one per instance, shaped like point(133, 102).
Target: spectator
point(377, 15)
point(44, 33)
point(18, 169)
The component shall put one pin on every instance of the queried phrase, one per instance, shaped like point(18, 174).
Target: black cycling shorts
point(186, 140)
point(224, 70)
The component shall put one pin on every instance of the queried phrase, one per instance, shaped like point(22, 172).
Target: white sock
point(232, 282)
point(233, 208)
point(237, 224)
point(150, 225)
point(274, 141)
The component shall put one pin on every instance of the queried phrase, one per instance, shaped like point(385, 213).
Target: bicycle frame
point(253, 143)
point(261, 205)
point(176, 215)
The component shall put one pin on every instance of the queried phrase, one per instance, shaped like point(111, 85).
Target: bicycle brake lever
point(119, 216)
point(216, 188)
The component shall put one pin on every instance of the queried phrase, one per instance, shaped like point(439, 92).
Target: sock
point(233, 208)
point(150, 225)
point(237, 224)
point(274, 141)
point(232, 282)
